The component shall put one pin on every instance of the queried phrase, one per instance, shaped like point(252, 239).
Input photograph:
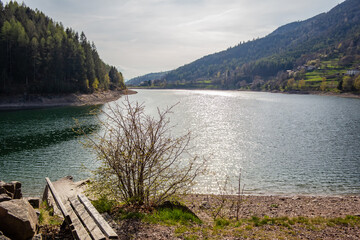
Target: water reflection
point(285, 144)
point(35, 144)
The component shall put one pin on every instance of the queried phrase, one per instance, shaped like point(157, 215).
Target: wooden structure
point(84, 220)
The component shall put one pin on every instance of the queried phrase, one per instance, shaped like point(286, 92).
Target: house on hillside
point(352, 72)
point(307, 68)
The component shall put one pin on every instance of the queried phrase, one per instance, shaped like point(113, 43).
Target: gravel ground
point(205, 207)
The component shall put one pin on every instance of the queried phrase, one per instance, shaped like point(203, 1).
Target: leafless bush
point(225, 201)
point(142, 163)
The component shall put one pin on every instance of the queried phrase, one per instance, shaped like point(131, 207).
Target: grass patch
point(103, 204)
point(122, 215)
point(347, 221)
point(221, 223)
point(47, 216)
point(172, 216)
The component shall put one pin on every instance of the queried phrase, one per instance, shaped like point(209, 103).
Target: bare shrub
point(141, 162)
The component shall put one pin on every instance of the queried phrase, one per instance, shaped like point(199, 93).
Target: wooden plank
point(87, 220)
point(100, 221)
point(58, 201)
point(77, 229)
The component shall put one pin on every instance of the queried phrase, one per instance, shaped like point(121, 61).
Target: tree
point(142, 164)
point(116, 78)
point(291, 84)
point(347, 83)
point(357, 83)
point(302, 84)
point(323, 85)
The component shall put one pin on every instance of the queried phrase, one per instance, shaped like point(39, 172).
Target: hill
point(38, 56)
point(328, 42)
point(145, 79)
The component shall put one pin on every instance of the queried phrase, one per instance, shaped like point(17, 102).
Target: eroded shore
point(19, 102)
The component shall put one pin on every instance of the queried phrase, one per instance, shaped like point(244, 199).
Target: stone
point(205, 205)
point(37, 237)
point(17, 185)
point(9, 187)
point(34, 202)
point(37, 213)
point(17, 194)
point(18, 219)
point(4, 197)
point(2, 190)
point(12, 189)
point(3, 237)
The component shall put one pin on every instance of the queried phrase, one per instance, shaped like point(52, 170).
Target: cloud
point(142, 36)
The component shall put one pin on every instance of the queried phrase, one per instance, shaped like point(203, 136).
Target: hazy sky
point(143, 36)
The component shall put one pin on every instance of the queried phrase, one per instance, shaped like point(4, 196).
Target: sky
point(144, 36)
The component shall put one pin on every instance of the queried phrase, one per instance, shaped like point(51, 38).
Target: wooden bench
point(84, 221)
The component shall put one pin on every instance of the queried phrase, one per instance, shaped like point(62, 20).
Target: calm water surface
point(284, 144)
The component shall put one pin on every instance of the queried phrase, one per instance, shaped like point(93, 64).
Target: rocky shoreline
point(20, 102)
point(204, 206)
point(18, 215)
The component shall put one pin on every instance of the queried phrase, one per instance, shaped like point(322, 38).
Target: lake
point(284, 144)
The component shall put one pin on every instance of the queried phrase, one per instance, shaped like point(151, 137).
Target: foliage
point(357, 83)
point(38, 55)
point(146, 78)
point(142, 163)
point(103, 204)
point(47, 216)
point(172, 216)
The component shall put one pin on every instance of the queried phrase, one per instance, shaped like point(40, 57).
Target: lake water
point(284, 144)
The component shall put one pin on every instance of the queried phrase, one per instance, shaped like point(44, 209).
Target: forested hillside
point(146, 79)
point(39, 55)
point(328, 43)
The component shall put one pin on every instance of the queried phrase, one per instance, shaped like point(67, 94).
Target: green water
point(43, 143)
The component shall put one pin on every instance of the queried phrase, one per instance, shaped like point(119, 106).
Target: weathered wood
point(58, 201)
point(77, 229)
point(100, 221)
point(84, 220)
point(87, 220)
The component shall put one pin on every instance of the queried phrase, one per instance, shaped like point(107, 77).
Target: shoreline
point(343, 95)
point(17, 102)
point(280, 205)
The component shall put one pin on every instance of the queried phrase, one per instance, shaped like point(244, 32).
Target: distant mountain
point(325, 37)
point(145, 78)
point(38, 55)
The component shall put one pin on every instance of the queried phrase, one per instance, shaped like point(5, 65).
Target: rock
point(4, 197)
point(205, 205)
point(12, 189)
point(2, 190)
point(17, 194)
point(17, 185)
point(37, 237)
point(9, 187)
point(18, 219)
point(2, 237)
point(17, 191)
point(34, 202)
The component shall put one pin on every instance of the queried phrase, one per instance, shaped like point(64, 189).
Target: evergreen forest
point(41, 56)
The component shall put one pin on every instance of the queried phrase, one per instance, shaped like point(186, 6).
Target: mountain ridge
point(288, 47)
